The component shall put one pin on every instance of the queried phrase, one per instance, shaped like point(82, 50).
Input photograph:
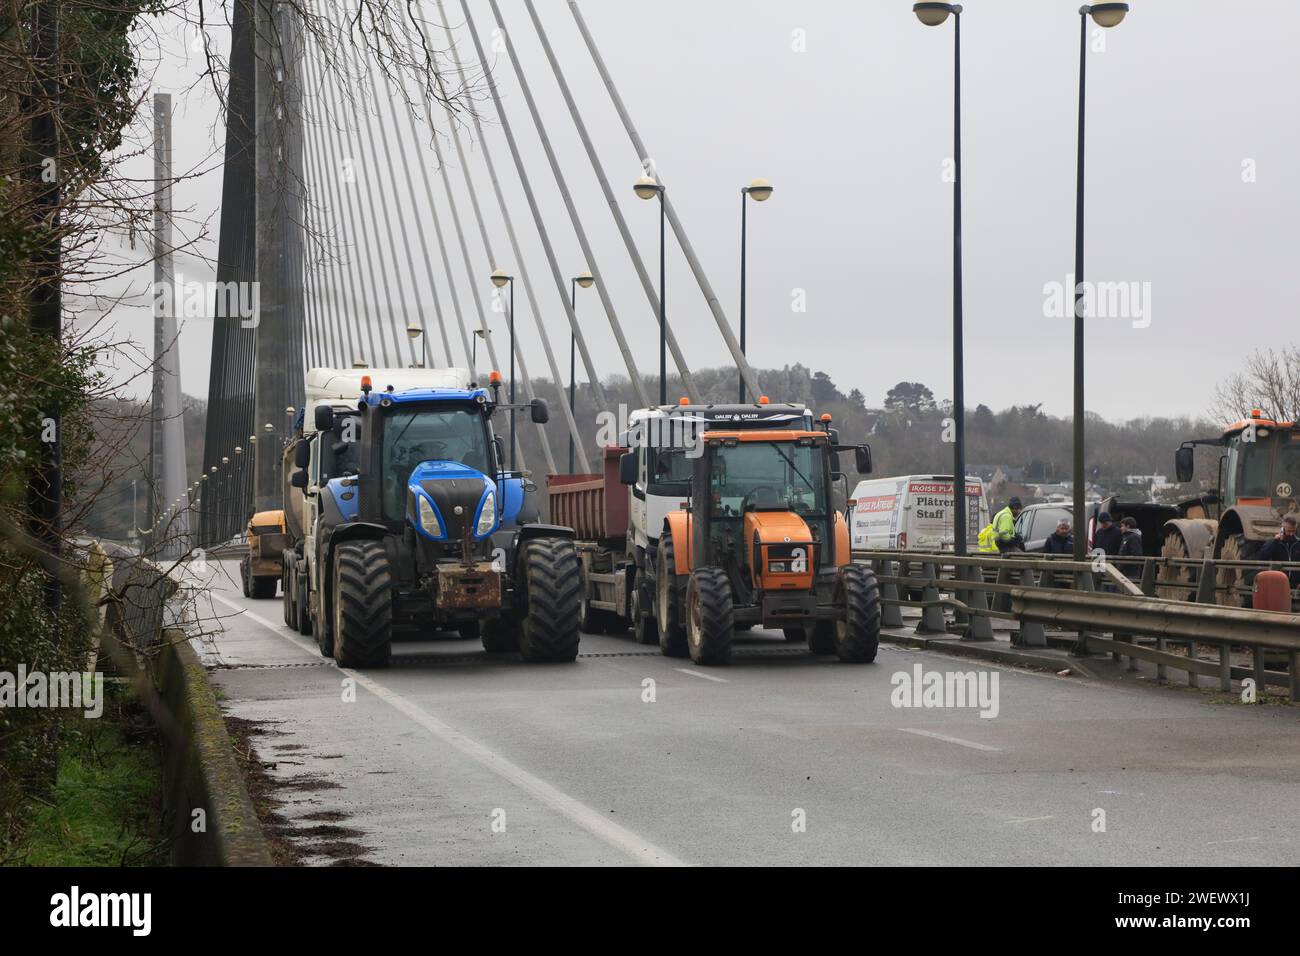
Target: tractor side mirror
point(299, 479)
point(301, 454)
point(540, 411)
point(324, 418)
point(627, 468)
point(1184, 463)
point(862, 455)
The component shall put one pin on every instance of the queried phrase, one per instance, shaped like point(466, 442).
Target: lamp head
point(1107, 14)
point(759, 190)
point(647, 187)
point(933, 14)
point(499, 278)
point(584, 279)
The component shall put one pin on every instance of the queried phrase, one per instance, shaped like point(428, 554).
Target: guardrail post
point(1082, 582)
point(1257, 659)
point(981, 625)
point(1148, 584)
point(1002, 599)
point(1295, 676)
point(1205, 586)
point(1032, 633)
point(1225, 667)
point(891, 614)
point(932, 619)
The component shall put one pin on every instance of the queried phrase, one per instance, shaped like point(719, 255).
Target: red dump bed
point(594, 506)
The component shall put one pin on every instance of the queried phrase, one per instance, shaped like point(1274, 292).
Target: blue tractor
point(419, 526)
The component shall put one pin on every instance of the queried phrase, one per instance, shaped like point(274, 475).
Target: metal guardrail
point(1038, 591)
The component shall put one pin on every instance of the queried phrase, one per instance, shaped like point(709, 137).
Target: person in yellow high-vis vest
point(988, 542)
point(1004, 527)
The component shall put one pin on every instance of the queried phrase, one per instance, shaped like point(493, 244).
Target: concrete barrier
point(200, 772)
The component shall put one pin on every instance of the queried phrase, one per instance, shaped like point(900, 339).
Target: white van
point(913, 513)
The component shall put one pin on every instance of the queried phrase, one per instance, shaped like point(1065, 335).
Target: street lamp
point(500, 280)
point(584, 279)
point(760, 190)
point(1104, 15)
point(647, 187)
point(932, 15)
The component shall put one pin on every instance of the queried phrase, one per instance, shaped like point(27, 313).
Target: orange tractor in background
point(1258, 483)
point(760, 543)
point(262, 565)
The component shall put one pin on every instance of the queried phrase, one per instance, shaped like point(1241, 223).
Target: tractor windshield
point(767, 475)
point(427, 433)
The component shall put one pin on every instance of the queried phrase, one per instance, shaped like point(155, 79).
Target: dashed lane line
point(690, 673)
point(951, 740)
point(618, 837)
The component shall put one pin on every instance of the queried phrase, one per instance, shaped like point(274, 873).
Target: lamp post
point(760, 190)
point(648, 188)
point(932, 15)
point(1104, 15)
point(500, 280)
point(585, 280)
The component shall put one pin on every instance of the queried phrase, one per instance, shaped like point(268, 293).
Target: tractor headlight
point(487, 518)
point(429, 518)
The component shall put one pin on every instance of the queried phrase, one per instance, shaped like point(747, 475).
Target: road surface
point(452, 756)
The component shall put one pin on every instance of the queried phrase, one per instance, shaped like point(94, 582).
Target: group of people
point(1123, 541)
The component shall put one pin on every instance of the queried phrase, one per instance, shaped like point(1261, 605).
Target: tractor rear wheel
point(821, 637)
point(857, 633)
point(500, 635)
point(1233, 550)
point(551, 579)
point(710, 616)
point(668, 605)
point(1176, 582)
point(264, 588)
point(363, 604)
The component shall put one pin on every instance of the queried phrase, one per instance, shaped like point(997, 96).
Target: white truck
point(913, 513)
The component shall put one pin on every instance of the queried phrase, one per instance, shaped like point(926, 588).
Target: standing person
point(1107, 537)
point(1004, 527)
point(1061, 541)
point(1285, 546)
point(1130, 546)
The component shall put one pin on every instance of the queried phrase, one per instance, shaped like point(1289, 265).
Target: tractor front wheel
point(857, 633)
point(551, 579)
point(668, 605)
point(710, 616)
point(363, 604)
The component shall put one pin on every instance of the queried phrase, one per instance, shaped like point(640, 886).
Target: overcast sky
point(847, 108)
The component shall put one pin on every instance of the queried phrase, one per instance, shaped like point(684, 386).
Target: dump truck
point(420, 527)
point(754, 537)
point(261, 566)
point(1258, 483)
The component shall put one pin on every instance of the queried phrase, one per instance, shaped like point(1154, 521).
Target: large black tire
point(550, 580)
point(821, 637)
point(500, 635)
point(287, 591)
point(363, 604)
point(795, 635)
point(264, 588)
point(710, 616)
point(644, 628)
point(320, 626)
point(300, 613)
point(244, 576)
point(470, 630)
point(668, 604)
point(857, 633)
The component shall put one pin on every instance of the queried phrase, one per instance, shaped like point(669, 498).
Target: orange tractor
point(760, 543)
point(1258, 483)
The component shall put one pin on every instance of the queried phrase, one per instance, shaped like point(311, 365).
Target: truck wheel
point(551, 581)
point(469, 630)
point(243, 576)
point(363, 604)
point(644, 628)
point(500, 635)
point(668, 611)
point(857, 634)
point(821, 637)
point(286, 591)
point(264, 588)
point(710, 616)
point(300, 600)
point(795, 635)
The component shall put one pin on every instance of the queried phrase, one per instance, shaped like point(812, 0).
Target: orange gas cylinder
point(1272, 591)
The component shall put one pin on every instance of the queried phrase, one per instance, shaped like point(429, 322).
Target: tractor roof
point(768, 435)
point(407, 395)
point(1258, 420)
point(765, 415)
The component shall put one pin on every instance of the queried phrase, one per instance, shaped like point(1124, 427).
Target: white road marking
point(595, 823)
point(687, 670)
point(952, 740)
point(1030, 819)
